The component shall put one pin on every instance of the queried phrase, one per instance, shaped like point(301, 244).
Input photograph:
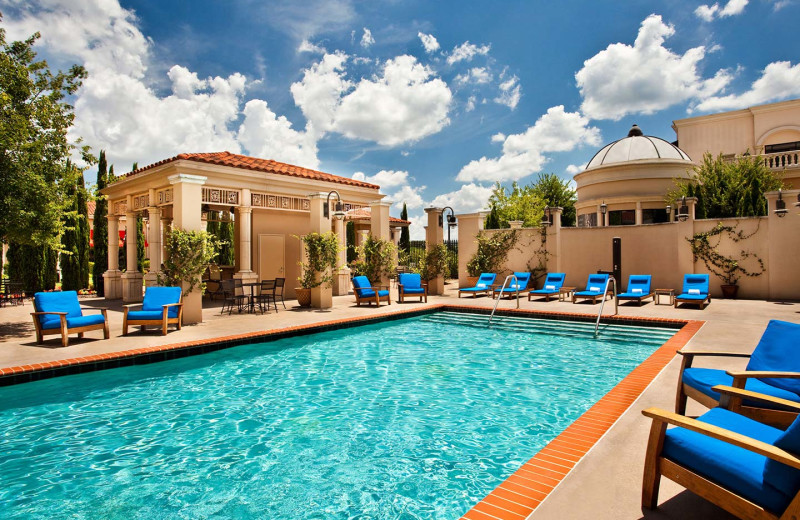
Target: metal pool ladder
point(516, 283)
point(613, 280)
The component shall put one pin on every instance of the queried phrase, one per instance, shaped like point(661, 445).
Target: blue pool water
point(415, 418)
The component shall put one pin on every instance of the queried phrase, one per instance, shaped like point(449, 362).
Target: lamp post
point(683, 210)
point(669, 211)
point(780, 205)
point(547, 219)
point(338, 212)
point(451, 220)
point(603, 211)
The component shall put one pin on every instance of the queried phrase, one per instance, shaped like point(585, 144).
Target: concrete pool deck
point(605, 483)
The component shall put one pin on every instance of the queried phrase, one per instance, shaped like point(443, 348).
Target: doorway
point(271, 256)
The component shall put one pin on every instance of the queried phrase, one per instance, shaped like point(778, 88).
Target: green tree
point(140, 251)
point(70, 254)
point(376, 259)
point(34, 120)
point(227, 247)
point(352, 253)
point(82, 206)
point(34, 266)
point(521, 203)
point(556, 193)
point(188, 255)
point(405, 238)
point(492, 220)
point(728, 188)
point(100, 226)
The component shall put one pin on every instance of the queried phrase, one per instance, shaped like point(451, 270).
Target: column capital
point(319, 195)
point(434, 209)
point(383, 202)
point(112, 217)
point(187, 178)
point(244, 209)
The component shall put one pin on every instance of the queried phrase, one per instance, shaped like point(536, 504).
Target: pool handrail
point(613, 280)
point(497, 302)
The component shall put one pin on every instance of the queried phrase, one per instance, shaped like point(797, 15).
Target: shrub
point(188, 254)
point(322, 254)
point(492, 252)
point(376, 259)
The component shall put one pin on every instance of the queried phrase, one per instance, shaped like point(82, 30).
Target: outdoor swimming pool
point(413, 418)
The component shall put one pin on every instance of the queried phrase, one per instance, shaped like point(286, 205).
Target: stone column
point(379, 228)
point(515, 224)
point(638, 213)
point(244, 216)
point(686, 230)
point(322, 296)
point(341, 280)
point(131, 278)
point(186, 207)
point(434, 235)
point(113, 276)
point(469, 226)
point(554, 241)
point(600, 220)
point(153, 244)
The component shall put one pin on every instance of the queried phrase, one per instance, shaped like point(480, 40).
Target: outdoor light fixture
point(683, 210)
point(338, 212)
point(780, 205)
point(603, 210)
point(451, 220)
point(546, 220)
point(669, 209)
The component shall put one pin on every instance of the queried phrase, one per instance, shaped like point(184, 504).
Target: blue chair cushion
point(780, 476)
point(734, 468)
point(703, 379)
point(77, 321)
point(552, 283)
point(595, 285)
point(589, 293)
point(632, 295)
point(146, 315)
point(638, 285)
point(410, 281)
point(413, 290)
point(687, 296)
point(777, 350)
point(383, 293)
point(64, 301)
point(156, 297)
point(692, 283)
point(544, 291)
point(521, 284)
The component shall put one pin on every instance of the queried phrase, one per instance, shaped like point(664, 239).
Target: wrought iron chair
point(279, 284)
point(266, 294)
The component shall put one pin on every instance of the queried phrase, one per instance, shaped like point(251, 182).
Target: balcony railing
point(781, 160)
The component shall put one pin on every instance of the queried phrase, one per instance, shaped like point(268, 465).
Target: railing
point(500, 296)
point(610, 280)
point(781, 160)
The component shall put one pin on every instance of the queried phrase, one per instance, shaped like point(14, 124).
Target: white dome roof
point(636, 147)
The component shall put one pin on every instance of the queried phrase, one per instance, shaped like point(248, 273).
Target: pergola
point(273, 203)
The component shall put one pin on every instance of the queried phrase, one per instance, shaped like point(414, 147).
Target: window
point(587, 220)
point(625, 217)
point(654, 216)
point(782, 147)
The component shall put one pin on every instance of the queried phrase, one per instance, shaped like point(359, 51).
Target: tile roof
point(256, 164)
point(366, 214)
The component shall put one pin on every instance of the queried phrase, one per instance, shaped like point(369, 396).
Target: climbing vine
point(492, 251)
point(540, 258)
point(727, 268)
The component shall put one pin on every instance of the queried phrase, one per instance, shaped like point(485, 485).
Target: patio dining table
point(251, 303)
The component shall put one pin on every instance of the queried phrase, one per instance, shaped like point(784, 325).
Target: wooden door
point(271, 257)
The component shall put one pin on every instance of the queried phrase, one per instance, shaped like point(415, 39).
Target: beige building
point(272, 204)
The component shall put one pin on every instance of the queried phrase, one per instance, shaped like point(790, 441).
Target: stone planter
point(729, 292)
point(303, 296)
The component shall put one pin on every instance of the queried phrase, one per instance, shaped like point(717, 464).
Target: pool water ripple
point(416, 418)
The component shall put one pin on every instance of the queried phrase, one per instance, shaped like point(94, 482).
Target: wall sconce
point(546, 219)
point(683, 210)
point(780, 205)
point(338, 211)
point(669, 209)
point(603, 211)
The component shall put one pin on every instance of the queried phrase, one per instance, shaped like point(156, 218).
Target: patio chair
point(695, 290)
point(410, 284)
point(60, 313)
point(551, 287)
point(638, 288)
point(214, 285)
point(366, 293)
point(266, 294)
point(750, 469)
point(279, 285)
point(513, 287)
point(482, 286)
point(773, 370)
point(595, 288)
point(230, 298)
point(161, 306)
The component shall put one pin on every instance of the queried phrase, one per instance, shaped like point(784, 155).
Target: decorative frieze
point(281, 202)
point(119, 207)
point(164, 196)
point(141, 201)
point(220, 196)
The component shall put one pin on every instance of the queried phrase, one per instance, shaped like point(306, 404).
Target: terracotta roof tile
point(256, 164)
point(366, 214)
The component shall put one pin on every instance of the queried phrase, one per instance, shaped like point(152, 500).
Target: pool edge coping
point(518, 496)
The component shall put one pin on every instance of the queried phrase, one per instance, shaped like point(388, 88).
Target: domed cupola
point(637, 147)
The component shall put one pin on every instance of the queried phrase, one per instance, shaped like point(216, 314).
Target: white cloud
point(466, 51)
point(429, 42)
point(645, 77)
point(706, 12)
point(498, 137)
point(265, 134)
point(709, 12)
point(307, 46)
point(302, 20)
point(385, 178)
point(470, 104)
point(524, 154)
point(395, 184)
point(320, 90)
point(469, 198)
point(366, 38)
point(477, 75)
point(779, 80)
point(410, 195)
point(509, 93)
point(574, 169)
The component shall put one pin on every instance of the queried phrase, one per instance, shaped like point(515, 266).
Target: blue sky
point(434, 101)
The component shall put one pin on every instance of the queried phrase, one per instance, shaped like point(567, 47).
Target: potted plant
point(728, 268)
point(491, 254)
point(188, 254)
point(322, 255)
point(376, 259)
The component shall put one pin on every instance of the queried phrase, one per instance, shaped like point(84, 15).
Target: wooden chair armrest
point(129, 305)
point(715, 432)
point(712, 353)
point(173, 304)
point(40, 313)
point(761, 373)
point(793, 406)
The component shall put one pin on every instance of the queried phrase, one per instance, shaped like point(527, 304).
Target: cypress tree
point(225, 234)
point(81, 199)
point(140, 251)
point(352, 254)
point(100, 227)
point(405, 238)
point(70, 258)
point(34, 266)
point(493, 220)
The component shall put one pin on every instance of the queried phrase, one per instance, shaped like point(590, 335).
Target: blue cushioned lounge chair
point(366, 293)
point(60, 313)
point(410, 284)
point(748, 468)
point(513, 287)
point(595, 286)
point(161, 306)
point(638, 288)
point(552, 284)
point(695, 290)
point(482, 286)
point(777, 355)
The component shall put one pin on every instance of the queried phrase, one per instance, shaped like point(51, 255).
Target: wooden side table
point(664, 292)
point(565, 293)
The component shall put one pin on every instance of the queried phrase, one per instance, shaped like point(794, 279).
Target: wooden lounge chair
point(750, 469)
point(161, 307)
point(365, 292)
point(553, 283)
point(410, 284)
point(595, 288)
point(638, 288)
point(482, 286)
point(773, 369)
point(695, 290)
point(60, 313)
point(514, 288)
